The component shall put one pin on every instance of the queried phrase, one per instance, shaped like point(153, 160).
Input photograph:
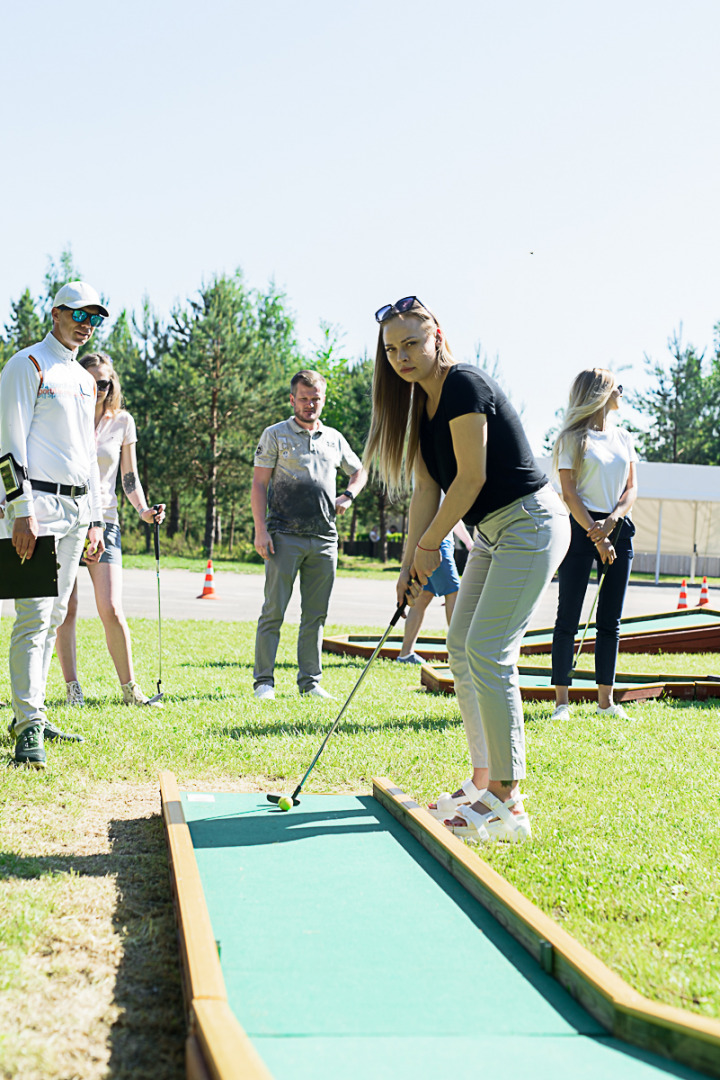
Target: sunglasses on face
point(619, 388)
point(81, 316)
point(398, 308)
point(103, 384)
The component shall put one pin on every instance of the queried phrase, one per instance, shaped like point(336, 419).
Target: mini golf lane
point(348, 951)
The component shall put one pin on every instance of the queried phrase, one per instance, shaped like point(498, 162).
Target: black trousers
point(573, 577)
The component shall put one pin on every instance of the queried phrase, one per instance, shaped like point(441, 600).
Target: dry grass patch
point(90, 978)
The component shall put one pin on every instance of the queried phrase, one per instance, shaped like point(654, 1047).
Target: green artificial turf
point(626, 852)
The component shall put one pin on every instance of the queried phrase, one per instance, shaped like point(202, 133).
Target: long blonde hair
point(397, 408)
point(589, 394)
point(113, 399)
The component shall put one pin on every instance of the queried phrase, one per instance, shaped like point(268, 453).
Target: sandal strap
point(473, 793)
point(473, 820)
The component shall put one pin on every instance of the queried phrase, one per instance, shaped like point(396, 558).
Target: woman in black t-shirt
point(465, 439)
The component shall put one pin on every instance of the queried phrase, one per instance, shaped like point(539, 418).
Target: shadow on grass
point(148, 1037)
point(320, 725)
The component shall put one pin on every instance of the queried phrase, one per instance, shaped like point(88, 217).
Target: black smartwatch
point(350, 495)
point(96, 525)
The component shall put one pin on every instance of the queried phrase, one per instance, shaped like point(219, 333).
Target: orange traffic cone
point(704, 594)
point(208, 592)
point(682, 598)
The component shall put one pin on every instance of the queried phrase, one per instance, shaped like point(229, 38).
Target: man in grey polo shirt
point(294, 504)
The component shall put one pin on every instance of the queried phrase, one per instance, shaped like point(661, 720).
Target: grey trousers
point(36, 620)
point(316, 560)
point(516, 553)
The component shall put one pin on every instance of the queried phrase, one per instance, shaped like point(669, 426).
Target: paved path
point(361, 600)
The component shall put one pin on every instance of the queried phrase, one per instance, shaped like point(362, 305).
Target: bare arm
point(355, 484)
point(584, 518)
point(469, 436)
point(258, 504)
point(133, 488)
point(620, 510)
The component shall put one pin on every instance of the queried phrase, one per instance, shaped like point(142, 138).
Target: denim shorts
point(445, 579)
point(113, 548)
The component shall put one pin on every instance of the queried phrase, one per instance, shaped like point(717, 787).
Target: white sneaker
point(562, 712)
point(317, 691)
point(74, 694)
point(613, 710)
point(133, 695)
point(265, 692)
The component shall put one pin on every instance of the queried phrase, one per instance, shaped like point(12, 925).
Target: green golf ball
point(285, 803)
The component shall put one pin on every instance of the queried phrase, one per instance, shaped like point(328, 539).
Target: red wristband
point(426, 549)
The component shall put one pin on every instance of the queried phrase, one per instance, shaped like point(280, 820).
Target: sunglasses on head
point(400, 307)
point(103, 384)
point(81, 316)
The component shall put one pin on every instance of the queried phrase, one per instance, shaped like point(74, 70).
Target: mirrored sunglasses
point(80, 316)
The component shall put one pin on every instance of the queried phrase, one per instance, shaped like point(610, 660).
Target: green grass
point(626, 814)
point(348, 565)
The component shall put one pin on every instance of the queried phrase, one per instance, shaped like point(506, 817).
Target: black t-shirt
point(511, 468)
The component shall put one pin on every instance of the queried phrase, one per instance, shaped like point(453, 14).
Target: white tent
point(677, 517)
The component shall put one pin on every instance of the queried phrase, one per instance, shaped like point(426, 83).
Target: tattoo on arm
point(129, 483)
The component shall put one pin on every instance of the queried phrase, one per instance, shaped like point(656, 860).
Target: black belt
point(73, 490)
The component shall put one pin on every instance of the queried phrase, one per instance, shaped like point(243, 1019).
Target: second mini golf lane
point(349, 952)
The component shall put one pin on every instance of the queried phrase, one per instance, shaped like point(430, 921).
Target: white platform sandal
point(498, 824)
point(447, 804)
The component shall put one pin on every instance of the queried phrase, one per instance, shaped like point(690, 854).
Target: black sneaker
point(29, 749)
point(52, 733)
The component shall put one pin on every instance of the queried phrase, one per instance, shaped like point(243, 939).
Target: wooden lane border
point(626, 1014)
point(217, 1048)
point(438, 679)
point(365, 644)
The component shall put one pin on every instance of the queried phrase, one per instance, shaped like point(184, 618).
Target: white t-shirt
point(112, 433)
point(605, 469)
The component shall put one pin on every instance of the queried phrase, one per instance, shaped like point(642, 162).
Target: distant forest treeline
point(203, 384)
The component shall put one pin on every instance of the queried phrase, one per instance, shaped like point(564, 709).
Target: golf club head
point(277, 798)
point(156, 699)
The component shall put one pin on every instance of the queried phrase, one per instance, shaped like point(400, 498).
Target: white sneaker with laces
point(317, 691)
point(133, 695)
point(74, 694)
point(265, 692)
point(613, 710)
point(562, 712)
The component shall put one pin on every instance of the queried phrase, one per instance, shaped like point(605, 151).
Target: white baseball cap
point(78, 294)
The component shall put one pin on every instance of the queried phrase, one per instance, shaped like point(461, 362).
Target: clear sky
point(544, 174)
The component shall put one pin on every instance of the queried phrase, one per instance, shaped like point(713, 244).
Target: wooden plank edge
point(204, 974)
point(226, 1049)
point(674, 1033)
point(217, 1046)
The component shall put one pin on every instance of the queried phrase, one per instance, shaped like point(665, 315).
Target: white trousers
point(516, 553)
point(36, 620)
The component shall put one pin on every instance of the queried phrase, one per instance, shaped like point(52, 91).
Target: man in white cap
point(49, 467)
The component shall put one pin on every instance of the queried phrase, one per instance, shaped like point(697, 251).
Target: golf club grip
point(156, 538)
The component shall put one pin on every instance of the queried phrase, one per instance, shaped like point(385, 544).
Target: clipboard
point(36, 577)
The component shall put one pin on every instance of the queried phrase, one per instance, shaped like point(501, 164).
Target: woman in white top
point(115, 438)
point(596, 461)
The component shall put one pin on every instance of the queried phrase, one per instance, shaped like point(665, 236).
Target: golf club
point(603, 574)
point(156, 537)
point(393, 622)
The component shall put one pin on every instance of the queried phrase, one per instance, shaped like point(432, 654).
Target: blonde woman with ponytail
point(596, 462)
point(451, 429)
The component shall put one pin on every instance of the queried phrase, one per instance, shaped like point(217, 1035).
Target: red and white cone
point(682, 598)
point(208, 592)
point(704, 594)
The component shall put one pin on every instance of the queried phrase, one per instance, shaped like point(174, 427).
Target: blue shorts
point(445, 579)
point(113, 548)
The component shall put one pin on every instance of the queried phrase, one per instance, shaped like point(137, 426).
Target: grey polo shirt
point(302, 492)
